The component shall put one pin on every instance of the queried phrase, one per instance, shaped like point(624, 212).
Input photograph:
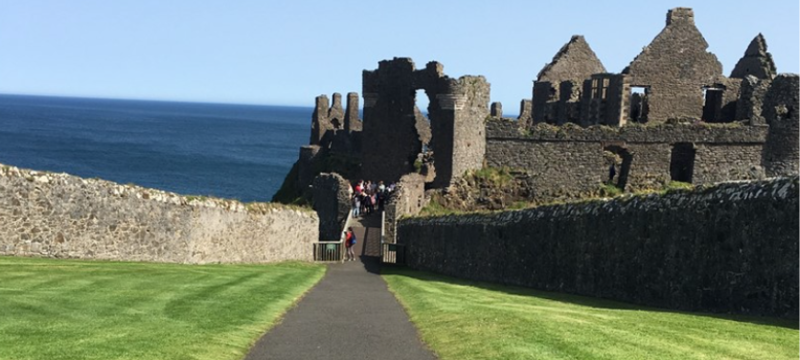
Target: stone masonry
point(457, 108)
point(332, 204)
point(62, 216)
point(731, 248)
point(674, 68)
point(567, 161)
point(756, 61)
point(780, 110)
point(663, 107)
point(556, 91)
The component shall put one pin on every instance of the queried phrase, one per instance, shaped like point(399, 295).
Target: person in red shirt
point(349, 242)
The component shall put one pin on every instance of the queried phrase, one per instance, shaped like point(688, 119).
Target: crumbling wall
point(731, 248)
point(751, 98)
point(575, 61)
point(525, 118)
point(307, 165)
point(336, 113)
point(496, 110)
point(567, 161)
point(557, 89)
point(757, 61)
point(319, 120)
point(456, 111)
point(730, 99)
point(332, 204)
point(459, 140)
point(780, 110)
point(389, 102)
point(605, 100)
point(407, 199)
point(675, 67)
point(336, 129)
point(352, 122)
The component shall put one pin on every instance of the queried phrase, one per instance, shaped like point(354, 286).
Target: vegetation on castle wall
point(495, 189)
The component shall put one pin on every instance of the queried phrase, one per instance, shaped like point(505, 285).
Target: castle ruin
point(670, 115)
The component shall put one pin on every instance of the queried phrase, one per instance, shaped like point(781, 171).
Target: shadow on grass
point(578, 299)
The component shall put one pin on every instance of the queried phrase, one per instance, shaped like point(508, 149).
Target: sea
point(223, 150)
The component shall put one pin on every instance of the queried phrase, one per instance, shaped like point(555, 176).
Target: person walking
point(356, 205)
point(349, 242)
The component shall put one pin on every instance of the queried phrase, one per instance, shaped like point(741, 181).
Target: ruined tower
point(457, 109)
point(319, 120)
point(781, 151)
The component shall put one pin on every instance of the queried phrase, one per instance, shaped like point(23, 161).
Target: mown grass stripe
point(67, 309)
point(461, 319)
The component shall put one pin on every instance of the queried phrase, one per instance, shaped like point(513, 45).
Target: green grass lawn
point(470, 320)
point(66, 309)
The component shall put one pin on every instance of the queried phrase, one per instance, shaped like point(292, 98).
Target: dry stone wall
point(63, 216)
point(728, 248)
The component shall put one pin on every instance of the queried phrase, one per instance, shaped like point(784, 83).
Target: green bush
point(609, 190)
point(493, 176)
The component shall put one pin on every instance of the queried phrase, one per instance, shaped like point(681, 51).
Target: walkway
point(350, 314)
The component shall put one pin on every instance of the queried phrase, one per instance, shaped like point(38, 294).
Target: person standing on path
point(349, 242)
point(356, 205)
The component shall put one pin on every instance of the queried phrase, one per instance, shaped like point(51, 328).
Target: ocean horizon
point(234, 151)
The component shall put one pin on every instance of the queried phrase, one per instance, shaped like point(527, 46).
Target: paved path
point(350, 314)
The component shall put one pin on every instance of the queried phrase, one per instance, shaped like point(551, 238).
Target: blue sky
point(288, 52)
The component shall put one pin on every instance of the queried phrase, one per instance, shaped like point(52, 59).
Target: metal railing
point(333, 250)
point(393, 254)
point(329, 251)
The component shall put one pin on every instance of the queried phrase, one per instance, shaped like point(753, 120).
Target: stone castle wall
point(407, 199)
point(780, 109)
point(63, 216)
point(729, 248)
point(331, 195)
point(569, 160)
point(675, 66)
point(456, 109)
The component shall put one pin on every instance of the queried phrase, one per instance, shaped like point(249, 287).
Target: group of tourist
point(366, 196)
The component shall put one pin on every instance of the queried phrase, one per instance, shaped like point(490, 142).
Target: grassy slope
point(469, 320)
point(64, 309)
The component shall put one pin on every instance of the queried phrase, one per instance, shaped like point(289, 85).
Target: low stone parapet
point(64, 216)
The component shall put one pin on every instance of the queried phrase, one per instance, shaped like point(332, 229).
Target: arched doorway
point(621, 165)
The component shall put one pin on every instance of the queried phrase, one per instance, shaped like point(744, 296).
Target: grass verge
point(66, 309)
point(470, 320)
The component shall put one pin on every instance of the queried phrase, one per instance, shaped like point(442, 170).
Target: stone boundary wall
point(729, 248)
point(63, 216)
